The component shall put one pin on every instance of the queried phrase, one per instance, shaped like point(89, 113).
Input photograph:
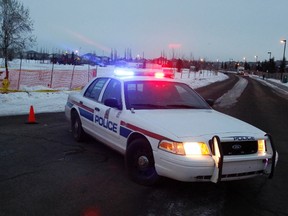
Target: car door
point(89, 103)
point(107, 118)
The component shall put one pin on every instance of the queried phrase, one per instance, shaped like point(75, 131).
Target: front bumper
point(215, 168)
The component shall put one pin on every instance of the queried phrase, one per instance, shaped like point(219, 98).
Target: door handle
point(97, 109)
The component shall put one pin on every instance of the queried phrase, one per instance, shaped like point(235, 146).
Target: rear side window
point(95, 88)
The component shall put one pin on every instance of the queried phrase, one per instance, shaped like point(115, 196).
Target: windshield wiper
point(181, 106)
point(155, 106)
point(169, 106)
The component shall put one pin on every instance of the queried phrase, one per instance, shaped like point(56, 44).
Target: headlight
point(173, 147)
point(196, 148)
point(261, 146)
point(186, 148)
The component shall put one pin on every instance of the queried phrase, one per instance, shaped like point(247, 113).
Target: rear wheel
point(76, 126)
point(140, 162)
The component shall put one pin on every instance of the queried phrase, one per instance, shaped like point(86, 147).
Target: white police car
point(164, 128)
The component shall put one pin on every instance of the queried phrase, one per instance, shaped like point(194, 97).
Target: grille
point(234, 175)
point(239, 148)
point(243, 174)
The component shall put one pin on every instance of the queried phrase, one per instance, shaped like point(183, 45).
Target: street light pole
point(284, 41)
point(256, 62)
point(284, 63)
point(269, 55)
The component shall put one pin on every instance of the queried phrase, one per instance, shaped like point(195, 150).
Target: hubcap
point(143, 162)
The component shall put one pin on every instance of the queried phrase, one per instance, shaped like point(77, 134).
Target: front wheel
point(140, 162)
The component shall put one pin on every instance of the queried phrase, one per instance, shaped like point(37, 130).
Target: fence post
point(52, 75)
point(72, 77)
point(18, 84)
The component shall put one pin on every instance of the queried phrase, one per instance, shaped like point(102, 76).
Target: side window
point(95, 88)
point(113, 90)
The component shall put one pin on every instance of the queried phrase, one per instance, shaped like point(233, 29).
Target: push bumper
point(215, 168)
point(239, 169)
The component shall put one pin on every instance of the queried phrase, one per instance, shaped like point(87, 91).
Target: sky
point(213, 30)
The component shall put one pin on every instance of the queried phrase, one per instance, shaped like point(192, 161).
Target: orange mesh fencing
point(56, 79)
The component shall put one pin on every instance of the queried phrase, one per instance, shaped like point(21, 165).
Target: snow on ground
point(19, 103)
point(230, 98)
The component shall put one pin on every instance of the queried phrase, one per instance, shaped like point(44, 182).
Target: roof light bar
point(123, 72)
point(159, 75)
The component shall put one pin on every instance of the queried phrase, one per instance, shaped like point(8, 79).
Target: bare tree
point(16, 29)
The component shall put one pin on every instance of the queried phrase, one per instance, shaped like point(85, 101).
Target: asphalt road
point(43, 171)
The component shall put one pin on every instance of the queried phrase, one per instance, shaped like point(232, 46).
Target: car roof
point(124, 79)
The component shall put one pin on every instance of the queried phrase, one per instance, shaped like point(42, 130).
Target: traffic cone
point(31, 118)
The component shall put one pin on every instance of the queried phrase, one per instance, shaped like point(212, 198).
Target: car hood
point(195, 123)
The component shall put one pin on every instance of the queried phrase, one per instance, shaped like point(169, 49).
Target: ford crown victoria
point(164, 128)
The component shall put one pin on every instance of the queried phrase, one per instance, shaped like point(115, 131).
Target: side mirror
point(210, 102)
point(113, 102)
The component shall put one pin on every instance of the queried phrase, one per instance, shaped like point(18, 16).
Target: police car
point(165, 129)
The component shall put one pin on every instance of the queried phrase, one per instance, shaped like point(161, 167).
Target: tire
point(140, 163)
point(76, 126)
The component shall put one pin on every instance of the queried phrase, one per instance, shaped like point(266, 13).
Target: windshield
point(162, 95)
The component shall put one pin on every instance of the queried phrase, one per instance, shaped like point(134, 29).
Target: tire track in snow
point(230, 98)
